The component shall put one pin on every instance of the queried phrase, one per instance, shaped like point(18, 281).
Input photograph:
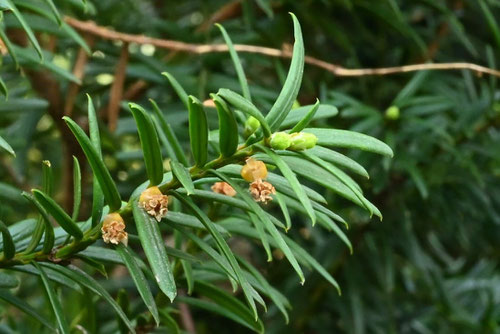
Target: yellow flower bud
point(113, 229)
point(254, 170)
point(154, 202)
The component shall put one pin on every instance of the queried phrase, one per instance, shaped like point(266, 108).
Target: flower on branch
point(223, 188)
point(154, 203)
point(254, 170)
point(261, 191)
point(113, 229)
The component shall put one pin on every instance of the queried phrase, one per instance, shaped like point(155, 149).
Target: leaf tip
point(172, 296)
point(167, 75)
point(133, 105)
point(193, 99)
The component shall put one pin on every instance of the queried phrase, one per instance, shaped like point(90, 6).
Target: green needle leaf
point(154, 247)
point(47, 183)
point(290, 89)
point(259, 227)
point(228, 127)
point(297, 114)
point(77, 188)
point(188, 272)
point(169, 322)
point(182, 174)
point(177, 87)
point(242, 104)
point(292, 179)
point(8, 281)
point(350, 139)
point(95, 139)
point(8, 44)
point(223, 247)
point(337, 159)
point(100, 171)
point(198, 131)
point(237, 64)
point(284, 209)
point(58, 213)
point(227, 301)
point(9, 249)
point(278, 299)
point(149, 143)
point(170, 135)
point(3, 89)
point(307, 118)
point(344, 178)
point(308, 259)
point(211, 252)
point(84, 279)
point(48, 242)
point(140, 281)
point(26, 308)
point(26, 27)
point(273, 231)
point(4, 145)
point(54, 301)
point(55, 11)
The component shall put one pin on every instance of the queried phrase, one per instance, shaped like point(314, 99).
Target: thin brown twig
point(186, 317)
point(17, 179)
point(227, 11)
point(116, 93)
point(78, 71)
point(105, 33)
point(135, 89)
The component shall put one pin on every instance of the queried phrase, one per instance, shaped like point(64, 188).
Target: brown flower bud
point(154, 202)
point(223, 188)
point(113, 229)
point(261, 191)
point(254, 170)
point(209, 103)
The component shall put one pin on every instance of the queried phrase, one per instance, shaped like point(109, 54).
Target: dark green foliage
point(431, 265)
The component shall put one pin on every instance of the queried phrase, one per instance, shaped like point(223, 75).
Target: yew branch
point(105, 33)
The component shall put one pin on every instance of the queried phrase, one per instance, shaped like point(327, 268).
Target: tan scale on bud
point(261, 191)
point(223, 188)
point(154, 203)
point(113, 230)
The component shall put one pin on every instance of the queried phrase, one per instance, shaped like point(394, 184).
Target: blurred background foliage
point(431, 266)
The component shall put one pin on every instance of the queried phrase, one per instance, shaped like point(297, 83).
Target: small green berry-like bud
point(303, 141)
point(280, 141)
point(392, 113)
point(496, 107)
point(251, 125)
